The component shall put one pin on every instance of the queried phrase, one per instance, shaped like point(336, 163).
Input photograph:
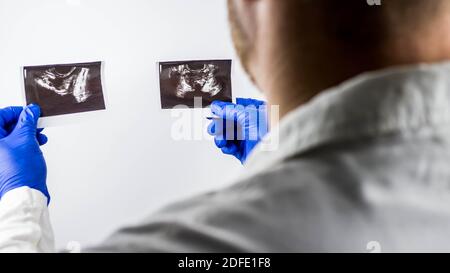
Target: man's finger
point(217, 107)
point(230, 149)
point(28, 120)
point(212, 128)
point(248, 102)
point(42, 139)
point(9, 115)
point(220, 142)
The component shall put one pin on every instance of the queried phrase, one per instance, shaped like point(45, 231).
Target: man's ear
point(246, 12)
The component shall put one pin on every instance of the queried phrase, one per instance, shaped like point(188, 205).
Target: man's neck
point(290, 88)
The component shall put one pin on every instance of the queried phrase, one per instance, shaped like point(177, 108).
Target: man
point(364, 140)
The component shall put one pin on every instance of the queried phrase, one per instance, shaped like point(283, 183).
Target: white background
point(115, 169)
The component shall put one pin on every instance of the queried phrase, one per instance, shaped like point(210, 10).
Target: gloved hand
point(21, 161)
point(238, 128)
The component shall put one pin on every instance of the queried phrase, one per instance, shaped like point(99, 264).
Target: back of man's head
point(293, 49)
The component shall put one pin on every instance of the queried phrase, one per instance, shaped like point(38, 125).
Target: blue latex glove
point(21, 161)
point(246, 122)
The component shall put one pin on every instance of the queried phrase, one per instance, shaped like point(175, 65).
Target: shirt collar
point(395, 100)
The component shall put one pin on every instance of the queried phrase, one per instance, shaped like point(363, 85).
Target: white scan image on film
point(65, 92)
point(189, 78)
point(182, 82)
point(73, 82)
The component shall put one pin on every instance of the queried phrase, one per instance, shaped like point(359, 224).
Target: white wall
point(116, 169)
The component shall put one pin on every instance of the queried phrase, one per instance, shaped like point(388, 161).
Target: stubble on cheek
point(240, 39)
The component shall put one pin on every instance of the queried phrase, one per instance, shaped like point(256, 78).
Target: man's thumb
point(28, 119)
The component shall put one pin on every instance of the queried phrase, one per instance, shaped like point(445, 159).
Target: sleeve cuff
point(23, 196)
point(24, 222)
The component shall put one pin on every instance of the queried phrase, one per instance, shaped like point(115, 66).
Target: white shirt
point(363, 164)
point(24, 222)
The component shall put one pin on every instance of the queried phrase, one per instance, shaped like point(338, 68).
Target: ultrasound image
point(181, 82)
point(65, 89)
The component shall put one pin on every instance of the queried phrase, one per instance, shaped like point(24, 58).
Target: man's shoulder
point(241, 217)
point(293, 180)
point(297, 174)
